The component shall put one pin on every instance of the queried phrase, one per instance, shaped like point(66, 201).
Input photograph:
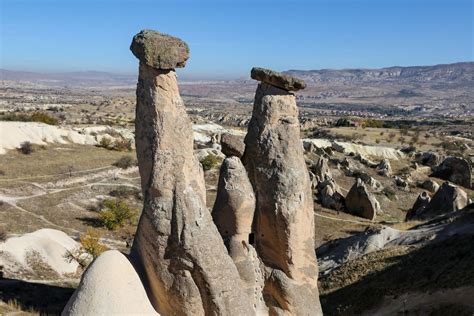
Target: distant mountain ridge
point(462, 72)
point(78, 78)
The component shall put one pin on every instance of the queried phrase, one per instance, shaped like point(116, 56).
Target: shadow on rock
point(444, 265)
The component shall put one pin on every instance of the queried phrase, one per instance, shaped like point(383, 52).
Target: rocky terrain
point(217, 197)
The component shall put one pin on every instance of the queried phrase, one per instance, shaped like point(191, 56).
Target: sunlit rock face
point(284, 223)
point(183, 261)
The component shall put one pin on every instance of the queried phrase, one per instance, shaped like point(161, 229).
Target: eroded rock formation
point(110, 286)
point(384, 168)
point(360, 202)
point(420, 204)
point(330, 195)
point(185, 265)
point(429, 185)
point(455, 169)
point(284, 223)
point(449, 198)
point(191, 262)
point(233, 214)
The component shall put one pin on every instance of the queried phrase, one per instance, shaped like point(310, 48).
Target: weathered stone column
point(233, 214)
point(284, 222)
point(186, 268)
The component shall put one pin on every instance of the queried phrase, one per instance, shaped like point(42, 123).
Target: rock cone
point(360, 202)
point(233, 214)
point(110, 286)
point(448, 198)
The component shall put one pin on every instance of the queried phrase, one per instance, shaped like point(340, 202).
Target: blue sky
point(228, 37)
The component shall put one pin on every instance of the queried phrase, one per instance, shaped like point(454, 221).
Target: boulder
point(360, 202)
point(284, 219)
point(429, 185)
point(428, 158)
point(159, 51)
point(402, 183)
point(365, 161)
point(420, 204)
point(330, 195)
point(178, 250)
point(233, 214)
point(202, 153)
point(232, 145)
point(110, 286)
point(449, 198)
point(277, 79)
point(348, 166)
point(368, 180)
point(384, 168)
point(310, 147)
point(455, 169)
point(320, 168)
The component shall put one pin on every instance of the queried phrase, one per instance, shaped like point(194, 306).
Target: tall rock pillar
point(284, 219)
point(185, 266)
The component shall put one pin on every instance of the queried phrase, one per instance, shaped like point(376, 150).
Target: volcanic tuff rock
point(232, 145)
point(183, 274)
point(188, 265)
point(159, 50)
point(284, 222)
point(429, 185)
point(277, 79)
point(421, 202)
point(110, 286)
point(384, 168)
point(428, 158)
point(368, 180)
point(330, 195)
point(402, 183)
point(233, 214)
point(234, 208)
point(455, 169)
point(319, 167)
point(360, 202)
point(448, 198)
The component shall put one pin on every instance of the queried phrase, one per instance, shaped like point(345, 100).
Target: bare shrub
point(125, 162)
point(26, 148)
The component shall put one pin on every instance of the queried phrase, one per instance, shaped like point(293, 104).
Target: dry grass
point(64, 207)
point(13, 307)
point(55, 159)
point(385, 136)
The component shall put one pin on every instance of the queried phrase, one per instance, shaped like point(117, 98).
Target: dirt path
point(13, 200)
point(54, 175)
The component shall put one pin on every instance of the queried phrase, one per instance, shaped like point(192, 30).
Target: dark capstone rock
point(277, 79)
point(232, 145)
point(159, 50)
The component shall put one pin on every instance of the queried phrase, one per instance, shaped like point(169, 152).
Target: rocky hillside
point(462, 72)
